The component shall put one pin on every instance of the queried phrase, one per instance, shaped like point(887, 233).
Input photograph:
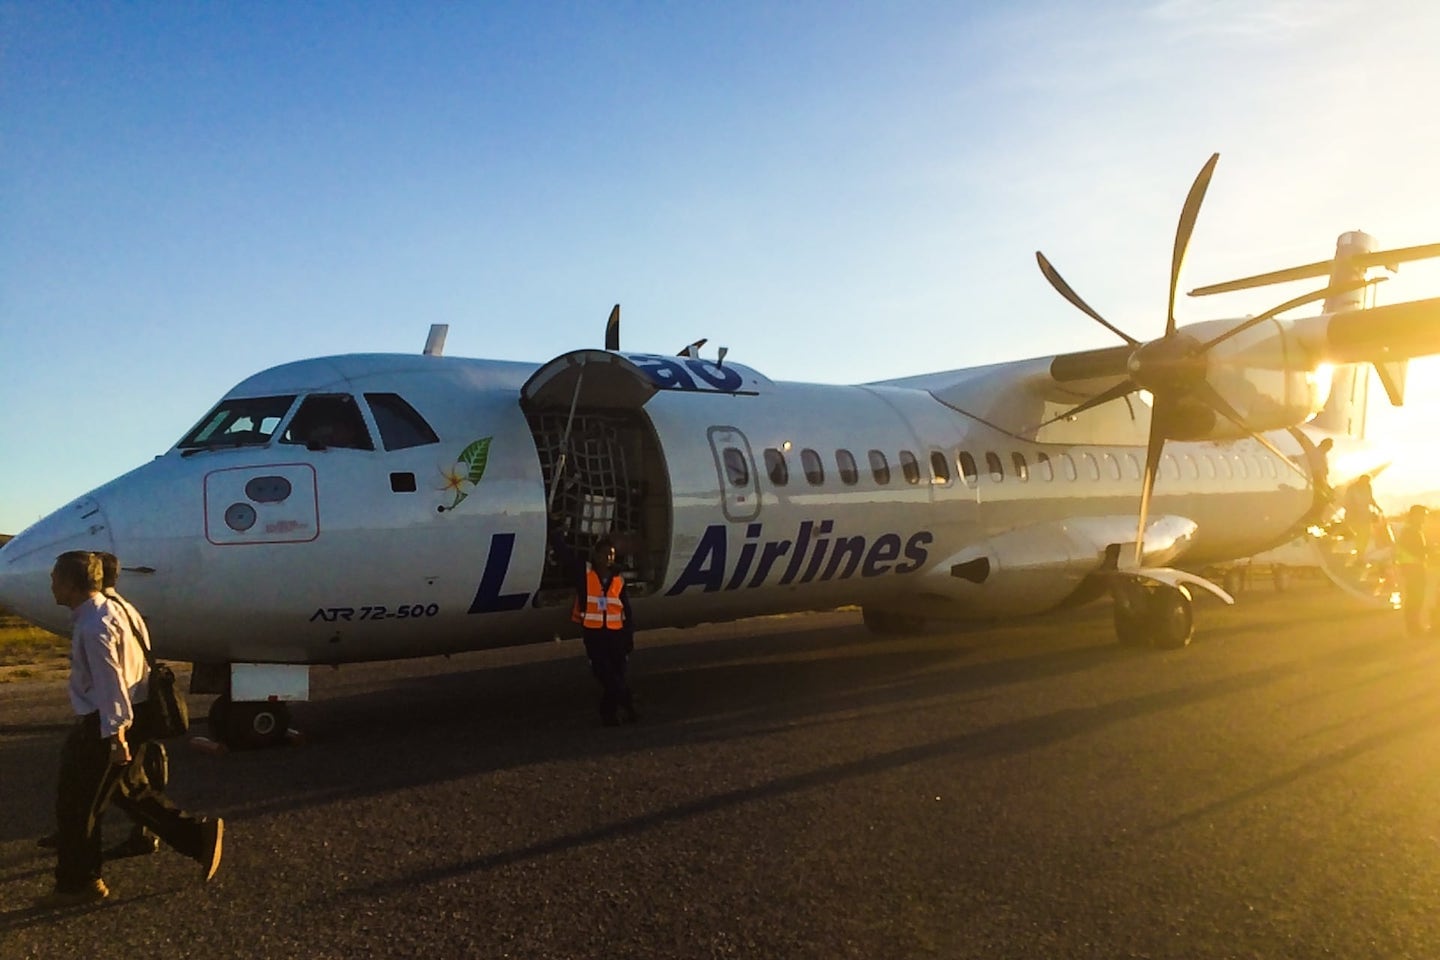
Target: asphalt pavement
point(800, 788)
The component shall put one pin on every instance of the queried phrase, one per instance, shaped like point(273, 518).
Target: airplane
point(372, 507)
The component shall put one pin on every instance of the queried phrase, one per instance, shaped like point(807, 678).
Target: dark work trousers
point(89, 783)
point(609, 653)
point(1412, 596)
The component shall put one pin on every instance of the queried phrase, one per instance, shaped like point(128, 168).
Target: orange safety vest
point(603, 609)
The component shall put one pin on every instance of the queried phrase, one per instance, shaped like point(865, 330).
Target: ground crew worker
point(1410, 556)
point(602, 608)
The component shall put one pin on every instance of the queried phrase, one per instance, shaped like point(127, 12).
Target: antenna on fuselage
point(435, 343)
point(612, 329)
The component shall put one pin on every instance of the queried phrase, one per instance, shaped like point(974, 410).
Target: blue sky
point(836, 191)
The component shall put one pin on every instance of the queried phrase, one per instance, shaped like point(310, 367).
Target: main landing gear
point(247, 725)
point(1156, 614)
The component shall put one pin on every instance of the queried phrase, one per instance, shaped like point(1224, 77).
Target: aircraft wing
point(1262, 357)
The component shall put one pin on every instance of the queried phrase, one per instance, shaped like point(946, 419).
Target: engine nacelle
point(1266, 376)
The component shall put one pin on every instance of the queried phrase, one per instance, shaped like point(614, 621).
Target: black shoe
point(58, 899)
point(141, 843)
point(50, 841)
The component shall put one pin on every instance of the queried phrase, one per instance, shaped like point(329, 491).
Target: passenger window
point(239, 423)
point(1208, 463)
point(909, 466)
point(776, 467)
point(879, 467)
point(400, 426)
point(1192, 469)
point(1240, 467)
point(968, 469)
point(1067, 466)
point(737, 471)
point(329, 420)
point(814, 469)
point(939, 468)
point(1092, 466)
point(1047, 469)
point(1169, 467)
point(1022, 469)
point(997, 469)
point(845, 461)
point(1112, 466)
point(1136, 471)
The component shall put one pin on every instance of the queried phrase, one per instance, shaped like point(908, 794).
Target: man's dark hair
point(109, 570)
point(79, 568)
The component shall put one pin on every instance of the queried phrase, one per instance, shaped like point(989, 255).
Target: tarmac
point(800, 788)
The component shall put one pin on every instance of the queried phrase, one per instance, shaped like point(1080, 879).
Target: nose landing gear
point(248, 724)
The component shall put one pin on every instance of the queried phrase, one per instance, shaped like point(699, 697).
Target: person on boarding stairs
point(1360, 513)
point(602, 608)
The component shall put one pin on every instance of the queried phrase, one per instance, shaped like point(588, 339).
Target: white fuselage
point(285, 553)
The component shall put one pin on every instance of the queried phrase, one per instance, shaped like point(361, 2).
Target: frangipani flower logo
point(461, 477)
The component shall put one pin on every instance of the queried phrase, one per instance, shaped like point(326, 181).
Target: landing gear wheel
point(1174, 619)
point(248, 725)
point(886, 622)
point(1158, 615)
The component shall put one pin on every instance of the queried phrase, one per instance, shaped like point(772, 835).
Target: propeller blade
point(1114, 393)
point(1320, 268)
point(1188, 213)
point(1153, 448)
point(1287, 305)
point(612, 329)
point(1063, 288)
point(1220, 405)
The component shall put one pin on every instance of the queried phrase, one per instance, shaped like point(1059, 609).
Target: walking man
point(108, 675)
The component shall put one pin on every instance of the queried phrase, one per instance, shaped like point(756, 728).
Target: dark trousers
point(1412, 596)
point(609, 653)
point(89, 783)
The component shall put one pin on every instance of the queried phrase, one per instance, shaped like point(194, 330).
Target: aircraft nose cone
point(25, 561)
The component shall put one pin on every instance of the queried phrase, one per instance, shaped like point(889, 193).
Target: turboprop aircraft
point(371, 507)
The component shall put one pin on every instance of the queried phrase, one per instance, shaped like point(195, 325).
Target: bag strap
point(135, 629)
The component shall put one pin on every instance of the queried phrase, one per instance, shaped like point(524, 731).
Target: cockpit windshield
point(242, 422)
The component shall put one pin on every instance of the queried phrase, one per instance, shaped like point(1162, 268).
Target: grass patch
point(24, 645)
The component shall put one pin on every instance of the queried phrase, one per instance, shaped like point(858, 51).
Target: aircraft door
point(735, 466)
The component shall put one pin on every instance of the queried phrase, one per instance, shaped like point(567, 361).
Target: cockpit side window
point(329, 420)
point(240, 422)
point(400, 426)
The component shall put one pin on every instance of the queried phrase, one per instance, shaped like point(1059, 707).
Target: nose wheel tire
point(248, 725)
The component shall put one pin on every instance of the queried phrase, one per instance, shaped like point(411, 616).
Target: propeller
point(1389, 259)
point(1172, 369)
